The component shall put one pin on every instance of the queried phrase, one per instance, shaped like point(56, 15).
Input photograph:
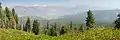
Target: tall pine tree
point(63, 30)
point(13, 12)
point(90, 22)
point(27, 27)
point(1, 16)
point(53, 30)
point(81, 28)
point(15, 15)
point(16, 18)
point(35, 28)
point(5, 22)
point(8, 13)
point(71, 25)
point(117, 22)
point(47, 24)
point(0, 10)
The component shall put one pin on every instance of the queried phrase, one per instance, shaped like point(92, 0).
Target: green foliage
point(53, 31)
point(8, 13)
point(4, 21)
point(90, 22)
point(13, 12)
point(16, 18)
point(27, 27)
point(71, 25)
point(117, 22)
point(0, 10)
point(10, 34)
point(8, 19)
point(1, 21)
point(81, 28)
point(47, 24)
point(63, 30)
point(15, 15)
point(35, 28)
point(18, 27)
point(92, 34)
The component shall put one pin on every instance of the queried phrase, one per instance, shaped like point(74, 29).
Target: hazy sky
point(100, 3)
point(56, 8)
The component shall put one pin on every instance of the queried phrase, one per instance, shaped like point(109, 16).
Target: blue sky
point(57, 2)
point(94, 3)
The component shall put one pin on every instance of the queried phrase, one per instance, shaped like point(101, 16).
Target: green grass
point(92, 34)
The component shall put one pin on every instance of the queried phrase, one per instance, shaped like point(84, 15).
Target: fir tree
point(81, 28)
point(0, 14)
point(55, 26)
point(90, 22)
point(63, 30)
point(15, 15)
point(28, 25)
point(117, 22)
point(13, 12)
point(53, 30)
point(16, 18)
point(0, 10)
point(35, 28)
point(8, 13)
point(24, 28)
point(71, 25)
point(3, 19)
point(47, 24)
point(8, 17)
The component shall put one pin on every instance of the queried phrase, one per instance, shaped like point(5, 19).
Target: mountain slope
point(101, 16)
point(92, 34)
point(51, 11)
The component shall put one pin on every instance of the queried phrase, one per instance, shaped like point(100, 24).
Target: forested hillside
point(13, 27)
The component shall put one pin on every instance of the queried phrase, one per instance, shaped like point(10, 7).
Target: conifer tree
point(8, 13)
point(0, 10)
point(28, 25)
point(15, 15)
point(16, 18)
point(63, 30)
point(47, 24)
point(3, 19)
point(53, 30)
point(90, 22)
point(8, 17)
point(117, 22)
point(24, 28)
point(81, 28)
point(13, 12)
point(55, 26)
point(71, 25)
point(0, 14)
point(35, 28)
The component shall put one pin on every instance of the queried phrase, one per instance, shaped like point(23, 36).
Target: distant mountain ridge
point(101, 16)
point(76, 14)
point(51, 11)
